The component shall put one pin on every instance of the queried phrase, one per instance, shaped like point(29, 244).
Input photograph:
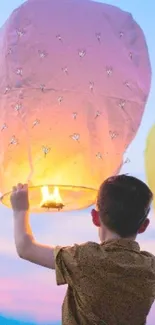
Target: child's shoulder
point(89, 249)
point(149, 260)
point(147, 254)
point(89, 245)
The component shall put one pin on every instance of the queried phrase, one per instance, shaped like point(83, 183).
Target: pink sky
point(31, 299)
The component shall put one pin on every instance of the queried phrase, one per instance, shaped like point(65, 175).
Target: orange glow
point(51, 200)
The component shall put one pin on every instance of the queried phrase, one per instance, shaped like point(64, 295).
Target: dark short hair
point(124, 202)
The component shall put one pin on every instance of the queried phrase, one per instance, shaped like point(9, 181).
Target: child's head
point(123, 204)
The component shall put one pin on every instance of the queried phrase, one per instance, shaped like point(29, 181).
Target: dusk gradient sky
point(28, 294)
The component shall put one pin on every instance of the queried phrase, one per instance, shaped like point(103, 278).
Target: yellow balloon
point(150, 160)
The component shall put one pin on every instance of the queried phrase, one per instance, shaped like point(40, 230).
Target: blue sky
point(29, 293)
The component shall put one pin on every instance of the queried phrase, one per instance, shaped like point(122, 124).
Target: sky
point(28, 294)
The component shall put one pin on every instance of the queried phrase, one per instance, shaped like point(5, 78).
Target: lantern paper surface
point(150, 160)
point(74, 80)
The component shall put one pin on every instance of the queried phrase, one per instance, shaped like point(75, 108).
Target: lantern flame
point(51, 200)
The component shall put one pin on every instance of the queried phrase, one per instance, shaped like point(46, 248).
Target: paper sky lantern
point(150, 160)
point(74, 80)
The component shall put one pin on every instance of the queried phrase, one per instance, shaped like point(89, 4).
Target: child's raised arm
point(65, 260)
point(26, 246)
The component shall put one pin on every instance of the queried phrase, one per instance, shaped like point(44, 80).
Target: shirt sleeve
point(67, 263)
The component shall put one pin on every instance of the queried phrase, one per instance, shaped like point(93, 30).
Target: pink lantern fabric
point(74, 81)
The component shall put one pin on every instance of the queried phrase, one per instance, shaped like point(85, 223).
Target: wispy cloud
point(30, 299)
point(10, 321)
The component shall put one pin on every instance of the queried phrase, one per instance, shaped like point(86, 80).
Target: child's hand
point(19, 198)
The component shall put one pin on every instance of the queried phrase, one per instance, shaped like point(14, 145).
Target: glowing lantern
point(51, 201)
point(74, 80)
point(150, 160)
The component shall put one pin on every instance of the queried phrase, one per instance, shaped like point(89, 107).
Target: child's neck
point(106, 235)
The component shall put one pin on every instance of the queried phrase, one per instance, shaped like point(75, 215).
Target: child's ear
point(95, 218)
point(144, 226)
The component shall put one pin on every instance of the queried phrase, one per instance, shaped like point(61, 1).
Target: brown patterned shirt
point(108, 284)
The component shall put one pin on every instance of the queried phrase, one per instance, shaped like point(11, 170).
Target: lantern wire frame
point(73, 198)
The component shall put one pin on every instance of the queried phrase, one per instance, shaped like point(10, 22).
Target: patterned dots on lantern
point(91, 86)
point(59, 37)
point(4, 126)
point(75, 137)
point(42, 87)
point(60, 99)
point(98, 36)
point(35, 123)
point(74, 115)
point(7, 89)
point(122, 104)
point(10, 51)
point(131, 55)
point(99, 155)
point(109, 71)
point(98, 114)
point(18, 107)
point(19, 71)
point(127, 84)
point(42, 54)
point(74, 88)
point(82, 53)
point(13, 141)
point(65, 70)
point(20, 32)
point(113, 134)
point(46, 150)
point(121, 34)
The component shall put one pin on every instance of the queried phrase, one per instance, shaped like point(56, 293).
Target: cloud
point(11, 321)
point(30, 299)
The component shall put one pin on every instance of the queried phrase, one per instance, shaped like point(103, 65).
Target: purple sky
point(27, 291)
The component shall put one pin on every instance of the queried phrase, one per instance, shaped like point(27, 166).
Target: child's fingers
point(19, 186)
point(25, 187)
